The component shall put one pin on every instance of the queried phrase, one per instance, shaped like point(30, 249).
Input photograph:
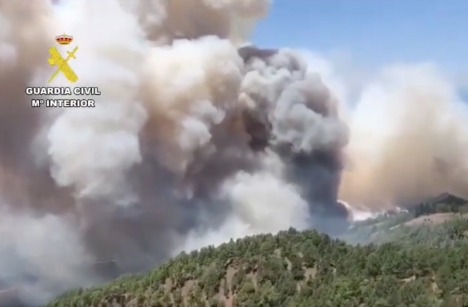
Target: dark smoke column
point(317, 171)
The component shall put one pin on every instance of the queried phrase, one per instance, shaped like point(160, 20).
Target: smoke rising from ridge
point(409, 140)
point(194, 140)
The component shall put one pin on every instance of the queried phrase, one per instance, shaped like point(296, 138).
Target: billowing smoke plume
point(409, 140)
point(193, 141)
point(197, 138)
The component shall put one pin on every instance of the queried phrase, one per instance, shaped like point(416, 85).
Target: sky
point(373, 33)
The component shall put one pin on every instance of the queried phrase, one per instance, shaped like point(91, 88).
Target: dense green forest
point(403, 266)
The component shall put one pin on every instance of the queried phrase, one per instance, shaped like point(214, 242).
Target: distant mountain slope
point(406, 225)
point(425, 266)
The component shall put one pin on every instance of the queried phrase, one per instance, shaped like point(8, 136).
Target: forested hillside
point(406, 265)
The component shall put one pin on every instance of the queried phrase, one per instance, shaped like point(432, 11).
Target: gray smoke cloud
point(409, 139)
point(194, 140)
point(197, 138)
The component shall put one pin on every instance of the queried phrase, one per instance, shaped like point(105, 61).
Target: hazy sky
point(373, 32)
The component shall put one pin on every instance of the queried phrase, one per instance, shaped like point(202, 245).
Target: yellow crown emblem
point(64, 39)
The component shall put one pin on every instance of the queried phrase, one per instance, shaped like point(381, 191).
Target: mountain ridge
point(403, 266)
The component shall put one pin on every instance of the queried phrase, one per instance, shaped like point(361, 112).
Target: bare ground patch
point(434, 219)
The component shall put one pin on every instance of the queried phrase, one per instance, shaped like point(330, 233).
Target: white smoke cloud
point(191, 90)
point(262, 203)
point(24, 258)
point(409, 139)
point(202, 142)
point(92, 149)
